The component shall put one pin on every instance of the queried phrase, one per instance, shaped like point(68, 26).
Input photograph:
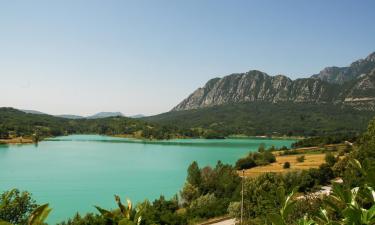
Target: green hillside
point(260, 118)
point(14, 122)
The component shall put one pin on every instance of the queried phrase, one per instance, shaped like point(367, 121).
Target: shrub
point(301, 158)
point(205, 206)
point(245, 163)
point(19, 208)
point(330, 159)
point(286, 165)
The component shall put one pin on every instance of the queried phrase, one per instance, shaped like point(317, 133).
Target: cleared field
point(17, 140)
point(311, 161)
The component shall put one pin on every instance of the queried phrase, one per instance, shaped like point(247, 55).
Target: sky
point(82, 57)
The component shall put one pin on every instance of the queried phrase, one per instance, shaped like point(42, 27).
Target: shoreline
point(28, 140)
point(17, 140)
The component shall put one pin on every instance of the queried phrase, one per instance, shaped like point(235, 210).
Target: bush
point(205, 206)
point(245, 163)
point(19, 207)
point(330, 159)
point(301, 158)
point(286, 165)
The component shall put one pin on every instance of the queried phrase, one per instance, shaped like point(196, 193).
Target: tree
point(194, 174)
point(189, 193)
point(286, 165)
point(205, 206)
point(330, 159)
point(245, 163)
point(3, 133)
point(16, 206)
point(300, 158)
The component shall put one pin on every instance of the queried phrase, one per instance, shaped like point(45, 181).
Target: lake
point(74, 173)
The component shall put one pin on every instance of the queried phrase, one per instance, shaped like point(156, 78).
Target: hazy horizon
point(144, 57)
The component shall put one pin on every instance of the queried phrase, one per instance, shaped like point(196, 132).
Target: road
point(226, 222)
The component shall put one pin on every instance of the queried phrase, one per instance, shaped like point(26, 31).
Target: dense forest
point(271, 198)
point(260, 118)
point(215, 122)
point(17, 123)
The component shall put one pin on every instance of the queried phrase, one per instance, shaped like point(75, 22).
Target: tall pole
point(243, 177)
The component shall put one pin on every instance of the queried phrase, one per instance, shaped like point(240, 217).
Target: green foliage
point(286, 207)
point(125, 215)
point(330, 159)
point(16, 206)
point(326, 140)
point(88, 219)
point(300, 158)
point(162, 211)
point(286, 165)
point(3, 133)
point(189, 193)
point(260, 118)
point(245, 163)
point(206, 206)
point(342, 206)
point(262, 157)
point(37, 126)
point(260, 194)
point(194, 174)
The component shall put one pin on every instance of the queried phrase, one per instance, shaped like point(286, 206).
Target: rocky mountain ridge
point(353, 85)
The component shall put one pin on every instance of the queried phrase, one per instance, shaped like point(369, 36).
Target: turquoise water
point(74, 173)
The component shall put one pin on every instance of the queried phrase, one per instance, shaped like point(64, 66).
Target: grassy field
point(17, 140)
point(314, 157)
point(311, 161)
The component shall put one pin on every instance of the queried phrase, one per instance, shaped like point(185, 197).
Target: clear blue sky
point(81, 57)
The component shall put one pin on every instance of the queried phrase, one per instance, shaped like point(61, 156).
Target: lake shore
point(17, 140)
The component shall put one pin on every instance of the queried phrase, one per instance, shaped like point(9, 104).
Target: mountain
point(105, 115)
point(137, 116)
point(353, 86)
point(32, 112)
point(340, 75)
point(68, 116)
point(337, 100)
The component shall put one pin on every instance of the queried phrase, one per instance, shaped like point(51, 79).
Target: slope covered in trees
point(260, 118)
point(17, 123)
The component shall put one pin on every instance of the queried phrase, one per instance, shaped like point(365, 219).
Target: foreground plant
point(346, 204)
point(125, 215)
point(36, 217)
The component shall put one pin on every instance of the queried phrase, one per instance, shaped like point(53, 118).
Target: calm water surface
point(74, 173)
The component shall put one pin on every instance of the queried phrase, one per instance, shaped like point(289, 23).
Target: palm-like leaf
point(39, 215)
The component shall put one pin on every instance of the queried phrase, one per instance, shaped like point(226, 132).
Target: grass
point(16, 140)
point(311, 161)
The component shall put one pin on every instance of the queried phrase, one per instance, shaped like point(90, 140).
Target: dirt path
point(226, 222)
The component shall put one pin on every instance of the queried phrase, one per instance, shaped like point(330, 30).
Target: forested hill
point(260, 118)
point(17, 123)
point(353, 86)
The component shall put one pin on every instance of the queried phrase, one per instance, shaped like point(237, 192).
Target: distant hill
point(68, 116)
point(137, 116)
point(105, 115)
point(32, 111)
point(14, 122)
point(353, 86)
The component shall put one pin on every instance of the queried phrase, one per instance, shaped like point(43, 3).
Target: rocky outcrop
point(340, 75)
point(353, 85)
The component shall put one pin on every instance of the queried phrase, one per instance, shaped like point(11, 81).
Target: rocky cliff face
point(340, 75)
point(353, 85)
